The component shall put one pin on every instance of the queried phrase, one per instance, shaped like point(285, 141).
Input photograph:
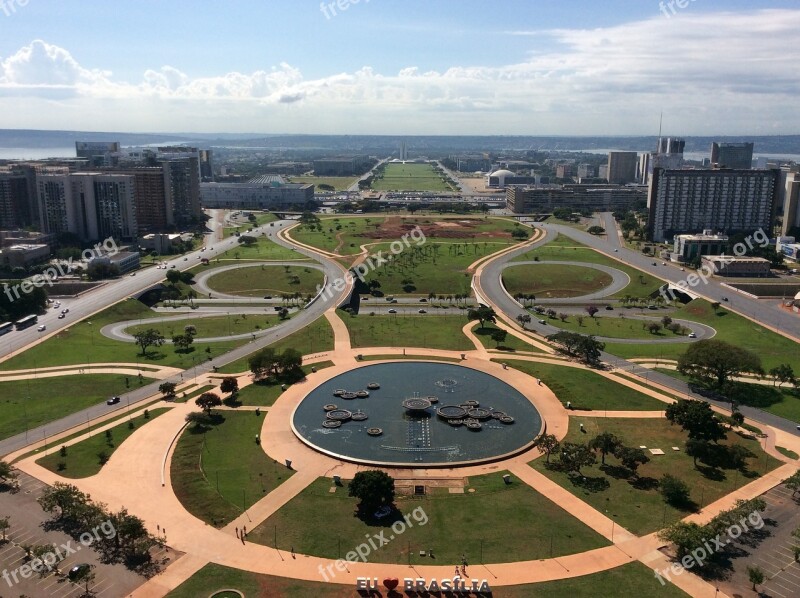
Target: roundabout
point(415, 432)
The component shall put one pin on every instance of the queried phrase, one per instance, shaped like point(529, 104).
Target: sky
point(414, 67)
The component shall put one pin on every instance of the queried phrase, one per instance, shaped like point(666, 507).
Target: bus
point(6, 327)
point(26, 322)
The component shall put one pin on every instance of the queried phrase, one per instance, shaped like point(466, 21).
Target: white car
point(692, 335)
point(42, 328)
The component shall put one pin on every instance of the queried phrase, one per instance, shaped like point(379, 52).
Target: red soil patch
point(395, 227)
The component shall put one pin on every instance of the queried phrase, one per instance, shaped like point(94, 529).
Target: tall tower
point(403, 151)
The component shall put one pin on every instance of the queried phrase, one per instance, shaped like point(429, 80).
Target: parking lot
point(26, 518)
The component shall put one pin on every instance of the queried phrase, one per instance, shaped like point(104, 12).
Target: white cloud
point(709, 73)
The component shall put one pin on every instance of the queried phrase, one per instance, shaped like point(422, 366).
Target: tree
point(167, 389)
point(589, 349)
point(606, 443)
point(248, 240)
point(591, 310)
point(6, 471)
point(712, 362)
point(229, 385)
point(782, 373)
point(547, 444)
point(283, 313)
point(524, 319)
point(482, 314)
point(631, 458)
point(148, 338)
point(654, 327)
point(499, 336)
point(793, 482)
point(596, 230)
point(65, 500)
point(685, 536)
point(207, 401)
point(182, 342)
point(697, 449)
point(696, 418)
point(5, 525)
point(575, 456)
point(373, 488)
point(674, 490)
point(756, 575)
point(173, 277)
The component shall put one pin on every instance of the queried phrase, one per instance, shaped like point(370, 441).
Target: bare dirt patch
point(395, 227)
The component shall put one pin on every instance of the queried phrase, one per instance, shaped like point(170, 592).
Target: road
point(111, 293)
point(488, 287)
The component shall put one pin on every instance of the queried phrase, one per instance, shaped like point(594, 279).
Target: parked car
point(113, 401)
point(78, 571)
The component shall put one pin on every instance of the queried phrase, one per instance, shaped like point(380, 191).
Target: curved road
point(127, 286)
point(488, 287)
point(201, 281)
point(619, 281)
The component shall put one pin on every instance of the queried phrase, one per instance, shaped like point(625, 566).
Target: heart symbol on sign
point(391, 583)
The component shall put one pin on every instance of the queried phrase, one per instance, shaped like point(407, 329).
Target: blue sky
point(391, 66)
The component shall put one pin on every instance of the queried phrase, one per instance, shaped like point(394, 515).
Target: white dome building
point(497, 179)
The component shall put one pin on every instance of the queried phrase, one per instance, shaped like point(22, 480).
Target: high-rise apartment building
point(98, 153)
point(15, 203)
point(688, 201)
point(622, 167)
point(182, 177)
point(732, 155)
point(791, 203)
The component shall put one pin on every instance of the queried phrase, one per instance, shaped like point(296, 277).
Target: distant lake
point(36, 153)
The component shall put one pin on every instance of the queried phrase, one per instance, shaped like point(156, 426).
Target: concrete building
point(403, 151)
point(206, 167)
point(622, 167)
point(24, 255)
point(531, 200)
point(563, 171)
point(737, 156)
point(26, 237)
point(15, 203)
point(729, 265)
point(686, 201)
point(126, 261)
point(500, 179)
point(182, 183)
point(261, 196)
point(342, 166)
point(602, 171)
point(791, 203)
point(688, 248)
point(164, 244)
point(92, 205)
point(791, 251)
point(586, 171)
point(98, 153)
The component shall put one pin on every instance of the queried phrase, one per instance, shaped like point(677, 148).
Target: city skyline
point(372, 67)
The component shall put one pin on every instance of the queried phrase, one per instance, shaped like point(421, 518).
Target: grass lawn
point(339, 183)
point(772, 348)
point(82, 459)
point(611, 326)
point(267, 280)
point(82, 343)
point(193, 394)
point(264, 394)
point(633, 579)
point(410, 177)
point(511, 344)
point(219, 473)
point(565, 249)
point(548, 281)
point(787, 452)
point(318, 522)
point(213, 326)
point(265, 249)
point(345, 235)
point(586, 389)
point(37, 401)
point(316, 337)
point(432, 332)
point(642, 509)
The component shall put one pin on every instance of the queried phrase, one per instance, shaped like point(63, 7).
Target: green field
point(267, 280)
point(82, 343)
point(339, 183)
point(265, 249)
point(316, 337)
point(548, 281)
point(410, 177)
point(772, 348)
point(633, 579)
point(218, 473)
point(586, 389)
point(319, 522)
point(82, 460)
point(213, 326)
point(612, 326)
point(345, 235)
point(511, 344)
point(639, 506)
point(565, 249)
point(36, 401)
point(432, 332)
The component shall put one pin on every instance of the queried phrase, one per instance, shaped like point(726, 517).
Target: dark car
point(609, 307)
point(78, 571)
point(113, 401)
